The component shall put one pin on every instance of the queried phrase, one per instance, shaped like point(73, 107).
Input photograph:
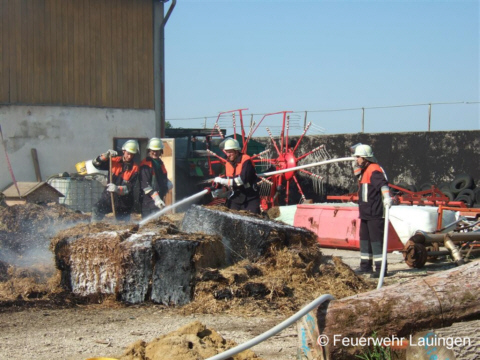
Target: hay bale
point(174, 271)
point(137, 268)
point(109, 259)
point(90, 264)
point(244, 236)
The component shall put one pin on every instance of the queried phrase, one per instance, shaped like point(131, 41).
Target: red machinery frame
point(432, 196)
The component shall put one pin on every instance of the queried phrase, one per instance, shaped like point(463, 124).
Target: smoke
point(34, 257)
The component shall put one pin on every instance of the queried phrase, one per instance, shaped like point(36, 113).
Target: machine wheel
point(415, 254)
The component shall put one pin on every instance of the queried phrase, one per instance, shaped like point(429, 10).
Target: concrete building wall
point(63, 136)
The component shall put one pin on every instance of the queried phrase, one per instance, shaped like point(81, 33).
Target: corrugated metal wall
point(77, 52)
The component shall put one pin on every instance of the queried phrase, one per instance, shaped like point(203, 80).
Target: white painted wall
point(63, 136)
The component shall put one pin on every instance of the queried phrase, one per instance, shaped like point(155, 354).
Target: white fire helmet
point(155, 144)
point(231, 144)
point(366, 152)
point(131, 146)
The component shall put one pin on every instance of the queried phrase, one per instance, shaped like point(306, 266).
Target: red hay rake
point(282, 154)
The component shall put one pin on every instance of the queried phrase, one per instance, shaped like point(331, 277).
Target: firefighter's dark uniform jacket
point(123, 174)
point(370, 204)
point(371, 212)
point(153, 178)
point(246, 196)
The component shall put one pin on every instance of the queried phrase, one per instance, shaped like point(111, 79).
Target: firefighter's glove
point(169, 185)
point(387, 200)
point(120, 190)
point(108, 154)
point(222, 181)
point(158, 201)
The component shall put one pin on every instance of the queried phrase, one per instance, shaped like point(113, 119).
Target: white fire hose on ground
point(384, 250)
point(273, 331)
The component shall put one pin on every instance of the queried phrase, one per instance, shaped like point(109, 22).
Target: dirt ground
point(41, 321)
point(92, 331)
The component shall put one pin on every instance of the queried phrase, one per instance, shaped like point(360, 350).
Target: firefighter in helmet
point(154, 183)
point(240, 181)
point(373, 197)
point(124, 175)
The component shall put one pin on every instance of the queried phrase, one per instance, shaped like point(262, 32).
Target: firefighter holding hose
point(240, 182)
point(373, 197)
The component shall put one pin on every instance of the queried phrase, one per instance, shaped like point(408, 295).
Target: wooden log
point(399, 310)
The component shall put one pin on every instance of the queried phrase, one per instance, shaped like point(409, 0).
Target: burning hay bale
point(244, 235)
point(285, 269)
point(190, 342)
point(280, 282)
point(110, 259)
point(158, 262)
point(26, 265)
point(278, 268)
point(25, 228)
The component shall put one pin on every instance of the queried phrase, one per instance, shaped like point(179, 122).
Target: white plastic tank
point(407, 219)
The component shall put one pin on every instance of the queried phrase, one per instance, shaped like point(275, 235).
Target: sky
point(324, 61)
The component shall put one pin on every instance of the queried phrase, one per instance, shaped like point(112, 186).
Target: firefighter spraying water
point(210, 189)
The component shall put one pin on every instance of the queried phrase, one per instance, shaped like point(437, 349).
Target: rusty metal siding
point(77, 52)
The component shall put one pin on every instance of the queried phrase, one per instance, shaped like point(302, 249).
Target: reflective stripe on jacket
point(151, 180)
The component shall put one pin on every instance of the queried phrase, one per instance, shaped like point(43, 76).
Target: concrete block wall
point(412, 157)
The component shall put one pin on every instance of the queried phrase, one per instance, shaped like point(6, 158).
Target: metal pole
point(159, 22)
point(429, 116)
point(112, 197)
point(305, 121)
point(363, 120)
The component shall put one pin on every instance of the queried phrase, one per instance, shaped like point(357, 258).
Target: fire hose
point(208, 190)
point(273, 331)
point(276, 172)
point(384, 250)
point(173, 206)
